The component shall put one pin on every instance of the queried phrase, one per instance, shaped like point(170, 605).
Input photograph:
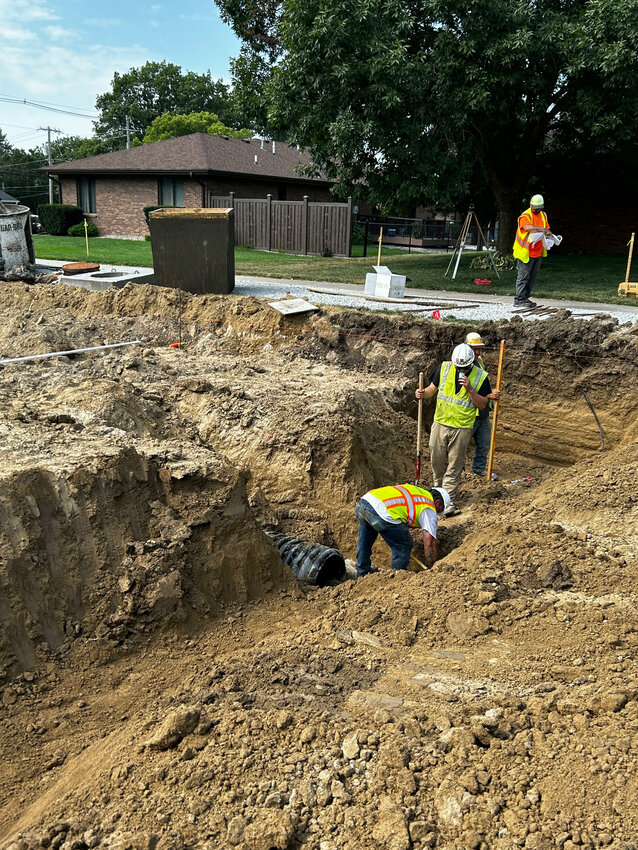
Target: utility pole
point(128, 133)
point(50, 130)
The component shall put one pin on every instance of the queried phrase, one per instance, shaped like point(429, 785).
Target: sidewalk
point(478, 306)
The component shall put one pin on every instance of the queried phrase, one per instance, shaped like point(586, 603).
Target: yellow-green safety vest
point(456, 409)
point(521, 243)
point(405, 502)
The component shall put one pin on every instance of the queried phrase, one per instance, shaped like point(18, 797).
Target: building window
point(86, 194)
point(171, 191)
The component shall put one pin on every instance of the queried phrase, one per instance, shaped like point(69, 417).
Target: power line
point(7, 99)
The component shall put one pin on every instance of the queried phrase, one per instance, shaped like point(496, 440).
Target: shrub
point(78, 229)
point(503, 262)
point(147, 237)
point(150, 209)
point(57, 218)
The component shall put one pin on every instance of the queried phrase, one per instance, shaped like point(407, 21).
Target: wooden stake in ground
point(418, 433)
point(631, 251)
point(499, 380)
point(379, 252)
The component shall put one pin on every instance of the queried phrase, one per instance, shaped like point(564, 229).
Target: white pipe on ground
point(72, 351)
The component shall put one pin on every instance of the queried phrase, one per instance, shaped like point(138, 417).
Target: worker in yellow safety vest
point(461, 388)
point(390, 512)
point(528, 254)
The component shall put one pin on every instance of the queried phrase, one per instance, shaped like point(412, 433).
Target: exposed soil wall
point(166, 683)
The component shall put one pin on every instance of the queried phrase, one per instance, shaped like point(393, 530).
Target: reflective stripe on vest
point(453, 409)
point(521, 243)
point(405, 502)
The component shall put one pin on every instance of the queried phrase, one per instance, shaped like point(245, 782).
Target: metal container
point(194, 249)
point(16, 244)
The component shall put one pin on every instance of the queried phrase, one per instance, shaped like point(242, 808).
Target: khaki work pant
point(448, 447)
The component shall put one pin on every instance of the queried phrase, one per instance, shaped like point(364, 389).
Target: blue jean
point(482, 434)
point(396, 535)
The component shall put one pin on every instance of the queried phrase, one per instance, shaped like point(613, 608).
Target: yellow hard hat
point(474, 339)
point(537, 201)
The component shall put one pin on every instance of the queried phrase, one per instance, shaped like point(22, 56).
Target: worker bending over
point(461, 388)
point(390, 512)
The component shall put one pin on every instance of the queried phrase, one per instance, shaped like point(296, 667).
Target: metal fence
point(296, 227)
point(413, 233)
point(410, 233)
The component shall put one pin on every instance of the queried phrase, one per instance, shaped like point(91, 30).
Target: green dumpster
point(194, 249)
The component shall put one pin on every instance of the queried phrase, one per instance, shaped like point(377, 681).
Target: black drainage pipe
point(319, 565)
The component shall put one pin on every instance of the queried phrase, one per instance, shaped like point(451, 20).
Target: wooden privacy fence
point(296, 227)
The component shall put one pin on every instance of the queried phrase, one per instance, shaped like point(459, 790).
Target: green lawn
point(562, 276)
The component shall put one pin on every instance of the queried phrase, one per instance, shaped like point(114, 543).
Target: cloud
point(57, 33)
point(102, 22)
point(11, 35)
point(24, 11)
point(156, 7)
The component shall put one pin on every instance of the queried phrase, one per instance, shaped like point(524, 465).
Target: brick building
point(113, 188)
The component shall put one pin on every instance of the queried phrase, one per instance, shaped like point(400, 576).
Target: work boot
point(451, 510)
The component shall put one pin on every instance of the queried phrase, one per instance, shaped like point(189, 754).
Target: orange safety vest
point(521, 243)
point(405, 502)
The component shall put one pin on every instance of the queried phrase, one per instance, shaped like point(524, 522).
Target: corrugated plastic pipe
point(310, 562)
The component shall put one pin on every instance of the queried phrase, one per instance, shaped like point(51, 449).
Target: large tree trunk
point(508, 211)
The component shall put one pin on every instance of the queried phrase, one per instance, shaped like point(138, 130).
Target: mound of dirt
point(165, 682)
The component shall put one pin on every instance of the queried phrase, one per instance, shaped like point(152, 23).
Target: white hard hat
point(474, 339)
point(447, 501)
point(462, 356)
point(537, 201)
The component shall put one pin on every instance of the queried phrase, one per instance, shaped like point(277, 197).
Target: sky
point(63, 53)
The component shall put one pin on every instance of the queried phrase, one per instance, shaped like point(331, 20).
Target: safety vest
point(521, 243)
point(456, 409)
point(405, 502)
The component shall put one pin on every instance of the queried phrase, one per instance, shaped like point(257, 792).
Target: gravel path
point(477, 307)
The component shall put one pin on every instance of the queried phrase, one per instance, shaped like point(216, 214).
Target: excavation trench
point(136, 493)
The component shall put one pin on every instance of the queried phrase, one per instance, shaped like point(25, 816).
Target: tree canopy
point(417, 101)
point(157, 88)
point(169, 126)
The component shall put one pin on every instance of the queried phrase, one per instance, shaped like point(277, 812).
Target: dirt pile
point(166, 683)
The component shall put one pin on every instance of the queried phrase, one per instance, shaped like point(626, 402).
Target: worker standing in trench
point(390, 512)
point(461, 388)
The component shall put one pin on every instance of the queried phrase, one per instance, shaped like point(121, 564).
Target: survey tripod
point(460, 243)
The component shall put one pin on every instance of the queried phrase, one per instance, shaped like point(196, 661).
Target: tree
point(19, 173)
point(417, 100)
point(143, 94)
point(169, 126)
point(68, 148)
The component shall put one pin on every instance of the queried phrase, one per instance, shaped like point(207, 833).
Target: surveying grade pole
point(419, 423)
point(489, 253)
point(499, 380)
point(631, 251)
point(458, 247)
point(380, 241)
point(86, 236)
point(466, 230)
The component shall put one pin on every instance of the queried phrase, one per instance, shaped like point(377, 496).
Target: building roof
point(199, 153)
point(6, 198)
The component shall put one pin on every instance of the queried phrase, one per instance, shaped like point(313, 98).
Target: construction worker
point(390, 512)
point(482, 431)
point(461, 388)
point(528, 256)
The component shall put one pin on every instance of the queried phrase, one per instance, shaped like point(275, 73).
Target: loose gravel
point(452, 306)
